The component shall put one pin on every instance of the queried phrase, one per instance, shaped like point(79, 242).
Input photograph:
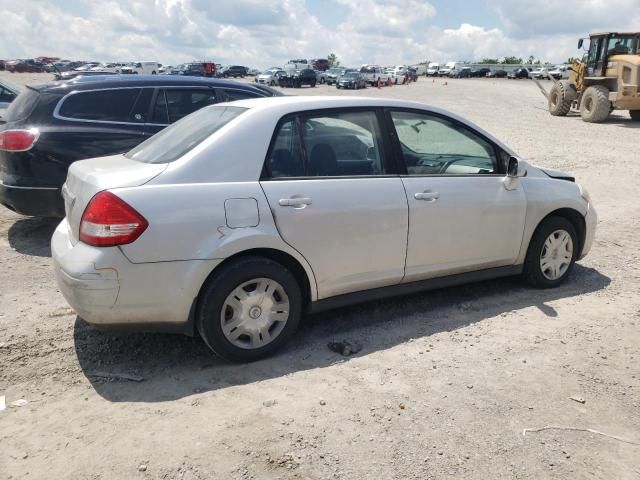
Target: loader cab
point(603, 46)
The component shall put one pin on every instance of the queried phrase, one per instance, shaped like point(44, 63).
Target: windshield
point(623, 44)
point(350, 75)
point(181, 137)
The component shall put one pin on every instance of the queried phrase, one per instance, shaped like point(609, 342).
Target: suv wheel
point(313, 83)
point(552, 253)
point(249, 309)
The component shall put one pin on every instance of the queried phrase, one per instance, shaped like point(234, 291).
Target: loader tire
point(560, 98)
point(635, 115)
point(595, 105)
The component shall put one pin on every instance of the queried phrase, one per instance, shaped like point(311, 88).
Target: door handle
point(294, 202)
point(427, 196)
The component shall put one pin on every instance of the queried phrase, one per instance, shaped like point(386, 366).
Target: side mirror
point(580, 42)
point(512, 168)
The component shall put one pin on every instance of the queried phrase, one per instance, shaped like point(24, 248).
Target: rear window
point(101, 105)
point(176, 140)
point(22, 106)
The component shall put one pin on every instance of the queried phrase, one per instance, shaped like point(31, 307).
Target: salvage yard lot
point(443, 387)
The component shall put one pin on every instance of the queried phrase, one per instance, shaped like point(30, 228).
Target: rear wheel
point(249, 309)
point(560, 98)
point(313, 83)
point(552, 253)
point(634, 114)
point(595, 105)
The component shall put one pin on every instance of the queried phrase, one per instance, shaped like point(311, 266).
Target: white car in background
point(270, 77)
point(446, 70)
point(433, 69)
point(139, 68)
point(333, 201)
point(560, 72)
point(373, 73)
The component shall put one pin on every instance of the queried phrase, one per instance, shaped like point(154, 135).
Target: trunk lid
point(88, 177)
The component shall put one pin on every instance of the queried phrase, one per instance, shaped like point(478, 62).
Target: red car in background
point(320, 64)
point(24, 66)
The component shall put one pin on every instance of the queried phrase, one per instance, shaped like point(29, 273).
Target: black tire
point(322, 81)
point(273, 84)
point(153, 73)
point(532, 272)
point(635, 115)
point(313, 83)
point(560, 97)
point(214, 293)
point(337, 86)
point(595, 105)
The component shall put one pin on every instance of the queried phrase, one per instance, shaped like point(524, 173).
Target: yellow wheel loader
point(608, 79)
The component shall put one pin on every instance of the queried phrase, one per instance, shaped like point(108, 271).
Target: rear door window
point(181, 102)
point(112, 105)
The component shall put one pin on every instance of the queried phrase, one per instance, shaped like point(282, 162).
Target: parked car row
point(456, 70)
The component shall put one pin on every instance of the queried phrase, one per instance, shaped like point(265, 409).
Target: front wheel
point(595, 105)
point(561, 96)
point(313, 83)
point(552, 253)
point(249, 309)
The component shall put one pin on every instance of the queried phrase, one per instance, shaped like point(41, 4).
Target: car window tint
point(285, 157)
point(22, 106)
point(230, 95)
point(140, 110)
point(341, 144)
point(177, 139)
point(6, 95)
point(182, 102)
point(160, 112)
point(434, 146)
point(114, 105)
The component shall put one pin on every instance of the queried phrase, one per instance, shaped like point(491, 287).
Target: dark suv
point(298, 78)
point(50, 126)
point(234, 71)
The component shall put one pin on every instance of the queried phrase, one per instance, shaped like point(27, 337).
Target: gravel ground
point(444, 385)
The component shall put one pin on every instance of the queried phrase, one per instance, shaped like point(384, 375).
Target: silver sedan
point(239, 218)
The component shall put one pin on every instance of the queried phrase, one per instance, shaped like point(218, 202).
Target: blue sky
point(261, 33)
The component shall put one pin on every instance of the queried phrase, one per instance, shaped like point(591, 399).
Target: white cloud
point(266, 33)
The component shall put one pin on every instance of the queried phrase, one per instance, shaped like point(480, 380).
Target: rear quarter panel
point(189, 222)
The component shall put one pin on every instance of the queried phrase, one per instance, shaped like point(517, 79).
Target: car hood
point(556, 174)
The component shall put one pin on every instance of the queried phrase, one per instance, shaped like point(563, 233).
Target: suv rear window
point(102, 105)
point(22, 106)
point(179, 138)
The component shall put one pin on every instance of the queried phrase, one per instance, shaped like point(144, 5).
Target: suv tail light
point(18, 140)
point(109, 221)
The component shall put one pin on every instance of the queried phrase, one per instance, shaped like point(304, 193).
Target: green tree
point(511, 61)
point(531, 59)
point(333, 60)
point(489, 61)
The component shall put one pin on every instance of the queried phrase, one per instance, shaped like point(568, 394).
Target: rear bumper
point(33, 201)
point(108, 291)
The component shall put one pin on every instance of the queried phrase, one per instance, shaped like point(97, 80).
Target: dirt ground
point(444, 386)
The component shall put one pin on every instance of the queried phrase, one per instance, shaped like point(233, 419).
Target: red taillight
point(18, 140)
point(109, 221)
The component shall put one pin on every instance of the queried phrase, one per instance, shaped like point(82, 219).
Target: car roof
point(117, 81)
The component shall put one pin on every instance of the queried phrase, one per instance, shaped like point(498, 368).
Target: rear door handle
point(294, 202)
point(427, 196)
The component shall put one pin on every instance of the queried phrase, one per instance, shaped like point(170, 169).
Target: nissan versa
point(240, 217)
